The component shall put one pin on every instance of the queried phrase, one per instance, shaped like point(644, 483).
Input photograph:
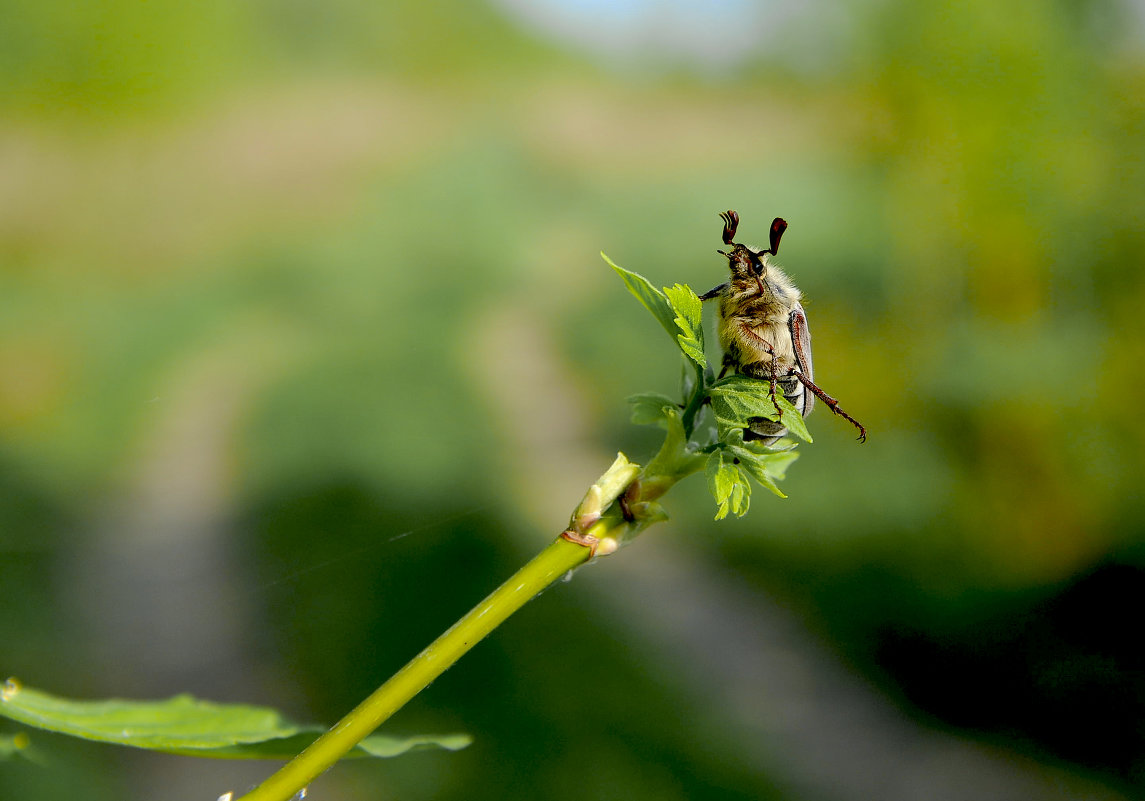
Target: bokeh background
point(305, 345)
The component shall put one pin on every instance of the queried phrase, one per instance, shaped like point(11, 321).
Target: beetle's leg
point(714, 293)
point(762, 428)
point(729, 361)
point(832, 403)
point(754, 337)
point(766, 371)
point(772, 373)
point(772, 381)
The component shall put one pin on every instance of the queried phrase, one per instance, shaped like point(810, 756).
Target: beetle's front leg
point(730, 361)
point(716, 292)
point(749, 335)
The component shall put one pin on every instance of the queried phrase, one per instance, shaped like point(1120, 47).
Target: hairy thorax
point(766, 315)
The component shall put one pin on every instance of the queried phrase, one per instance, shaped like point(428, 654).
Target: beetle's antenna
point(778, 226)
point(731, 223)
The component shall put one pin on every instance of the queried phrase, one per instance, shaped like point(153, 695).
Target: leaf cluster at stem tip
point(705, 427)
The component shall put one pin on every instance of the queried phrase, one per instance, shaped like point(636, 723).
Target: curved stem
point(545, 568)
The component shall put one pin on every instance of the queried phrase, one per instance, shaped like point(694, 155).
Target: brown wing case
point(801, 341)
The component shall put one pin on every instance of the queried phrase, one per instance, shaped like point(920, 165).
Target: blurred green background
point(305, 345)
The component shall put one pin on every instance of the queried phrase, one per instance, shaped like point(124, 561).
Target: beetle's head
point(749, 266)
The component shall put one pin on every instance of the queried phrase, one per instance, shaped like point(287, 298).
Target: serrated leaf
point(187, 725)
point(728, 485)
point(755, 466)
point(689, 319)
point(766, 465)
point(649, 408)
point(651, 297)
point(737, 399)
point(776, 461)
point(762, 478)
point(793, 421)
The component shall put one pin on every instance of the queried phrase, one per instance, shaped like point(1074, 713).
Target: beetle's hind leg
point(763, 429)
point(831, 403)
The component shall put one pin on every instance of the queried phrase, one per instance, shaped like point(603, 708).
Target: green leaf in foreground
point(689, 313)
point(737, 399)
point(189, 726)
point(764, 464)
point(728, 485)
point(652, 298)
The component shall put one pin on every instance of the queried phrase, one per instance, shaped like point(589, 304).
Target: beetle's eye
point(757, 268)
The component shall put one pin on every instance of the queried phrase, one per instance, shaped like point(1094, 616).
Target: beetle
point(763, 330)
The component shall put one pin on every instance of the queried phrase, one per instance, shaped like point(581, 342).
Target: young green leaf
point(793, 421)
point(775, 461)
point(689, 319)
point(675, 458)
point(186, 725)
point(649, 408)
point(737, 399)
point(728, 485)
point(763, 464)
point(652, 298)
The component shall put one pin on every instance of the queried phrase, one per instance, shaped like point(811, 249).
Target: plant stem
point(695, 403)
point(545, 568)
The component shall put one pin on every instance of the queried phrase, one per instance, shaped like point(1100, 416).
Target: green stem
point(695, 403)
point(597, 520)
point(545, 568)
